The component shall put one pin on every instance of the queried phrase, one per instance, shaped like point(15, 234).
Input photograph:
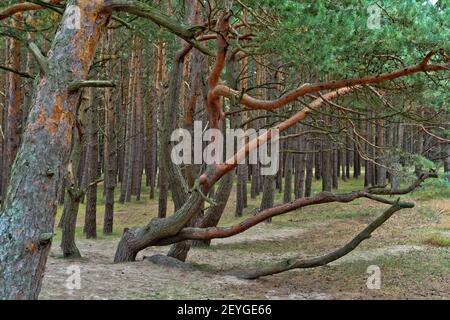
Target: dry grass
point(411, 265)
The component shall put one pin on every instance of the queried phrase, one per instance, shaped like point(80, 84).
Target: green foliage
point(435, 188)
point(438, 240)
point(422, 162)
point(335, 37)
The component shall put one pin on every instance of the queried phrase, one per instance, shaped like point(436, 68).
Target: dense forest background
point(358, 89)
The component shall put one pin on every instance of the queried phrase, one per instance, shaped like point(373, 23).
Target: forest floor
point(412, 251)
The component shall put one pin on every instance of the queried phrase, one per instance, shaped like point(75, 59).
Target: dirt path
point(410, 268)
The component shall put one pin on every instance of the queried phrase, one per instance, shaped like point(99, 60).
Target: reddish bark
point(28, 216)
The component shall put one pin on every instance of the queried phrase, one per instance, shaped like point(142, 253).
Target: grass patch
point(437, 240)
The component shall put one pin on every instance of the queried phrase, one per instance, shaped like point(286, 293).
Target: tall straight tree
point(138, 134)
point(90, 227)
point(126, 181)
point(110, 145)
point(26, 222)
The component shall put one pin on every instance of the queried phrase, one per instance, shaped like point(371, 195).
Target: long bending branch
point(254, 103)
point(321, 198)
point(230, 164)
point(296, 263)
point(381, 190)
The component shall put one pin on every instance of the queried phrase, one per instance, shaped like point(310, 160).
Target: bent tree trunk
point(214, 213)
point(26, 222)
point(74, 192)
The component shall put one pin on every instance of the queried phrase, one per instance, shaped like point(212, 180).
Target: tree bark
point(126, 183)
point(74, 190)
point(110, 152)
point(26, 222)
point(90, 223)
point(14, 105)
point(309, 168)
point(138, 136)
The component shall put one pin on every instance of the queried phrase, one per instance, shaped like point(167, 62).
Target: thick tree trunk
point(213, 214)
point(68, 225)
point(174, 177)
point(26, 222)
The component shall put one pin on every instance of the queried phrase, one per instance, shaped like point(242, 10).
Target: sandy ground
point(409, 267)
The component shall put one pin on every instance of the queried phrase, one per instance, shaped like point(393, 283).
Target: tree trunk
point(74, 190)
point(90, 222)
point(26, 222)
point(241, 188)
point(138, 137)
point(126, 183)
point(287, 197)
point(326, 165)
point(300, 170)
point(381, 169)
point(110, 153)
point(14, 105)
point(309, 168)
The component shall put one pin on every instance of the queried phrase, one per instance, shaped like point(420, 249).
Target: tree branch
point(22, 7)
point(307, 88)
point(20, 73)
point(242, 154)
point(321, 198)
point(77, 85)
point(295, 263)
point(140, 9)
point(41, 60)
